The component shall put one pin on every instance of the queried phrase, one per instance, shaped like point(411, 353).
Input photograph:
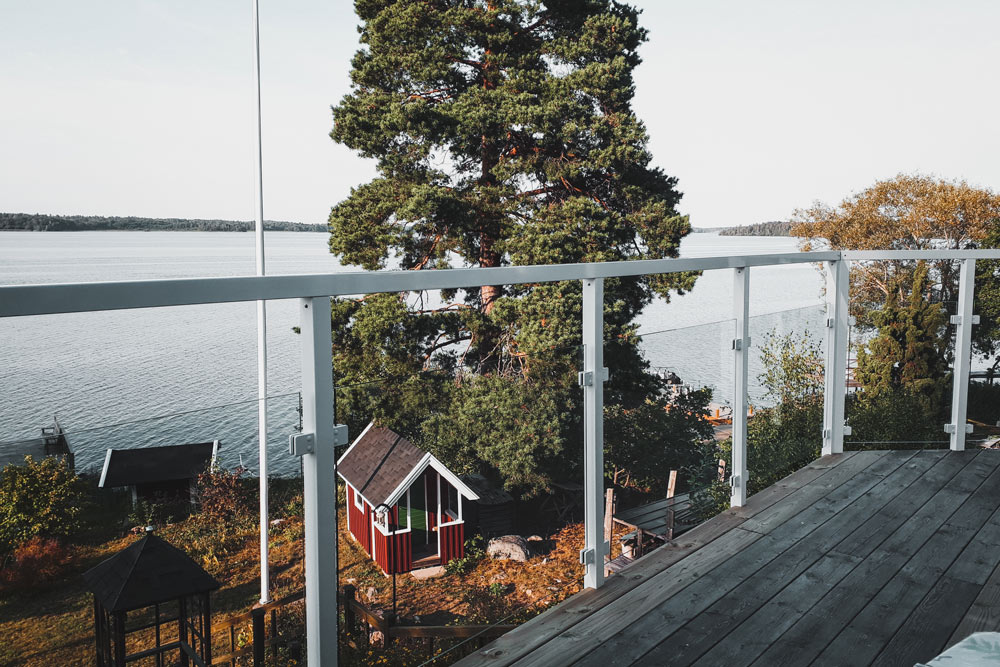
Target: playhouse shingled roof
point(380, 461)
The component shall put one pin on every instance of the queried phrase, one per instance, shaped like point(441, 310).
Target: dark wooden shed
point(494, 513)
point(158, 473)
point(148, 579)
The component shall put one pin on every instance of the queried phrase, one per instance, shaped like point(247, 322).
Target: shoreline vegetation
point(773, 228)
point(37, 222)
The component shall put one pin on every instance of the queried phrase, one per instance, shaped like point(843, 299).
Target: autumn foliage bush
point(37, 560)
point(226, 495)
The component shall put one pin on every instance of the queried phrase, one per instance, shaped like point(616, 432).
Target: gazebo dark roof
point(146, 573)
point(379, 462)
point(143, 465)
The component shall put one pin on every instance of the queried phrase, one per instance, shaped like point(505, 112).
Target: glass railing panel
point(901, 351)
point(983, 412)
point(666, 434)
point(785, 393)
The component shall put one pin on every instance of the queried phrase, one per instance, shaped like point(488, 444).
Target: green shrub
point(40, 499)
point(895, 419)
point(474, 553)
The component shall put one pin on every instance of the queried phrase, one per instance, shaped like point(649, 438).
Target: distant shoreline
point(35, 222)
point(775, 228)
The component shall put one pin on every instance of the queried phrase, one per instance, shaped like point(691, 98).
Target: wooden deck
point(868, 558)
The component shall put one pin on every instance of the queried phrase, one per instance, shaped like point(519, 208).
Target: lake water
point(160, 376)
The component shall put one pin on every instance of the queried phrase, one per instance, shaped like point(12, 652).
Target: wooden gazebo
point(167, 594)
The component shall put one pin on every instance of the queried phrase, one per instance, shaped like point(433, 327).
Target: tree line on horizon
point(38, 222)
point(772, 228)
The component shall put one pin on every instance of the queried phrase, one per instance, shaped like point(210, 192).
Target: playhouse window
point(358, 502)
point(449, 502)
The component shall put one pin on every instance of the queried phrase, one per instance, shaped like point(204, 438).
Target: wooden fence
point(248, 637)
point(264, 633)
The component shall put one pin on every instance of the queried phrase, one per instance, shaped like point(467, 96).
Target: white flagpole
point(265, 593)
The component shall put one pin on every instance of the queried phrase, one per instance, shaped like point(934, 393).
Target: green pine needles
point(503, 134)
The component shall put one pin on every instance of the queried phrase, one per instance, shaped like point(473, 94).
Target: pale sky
point(142, 107)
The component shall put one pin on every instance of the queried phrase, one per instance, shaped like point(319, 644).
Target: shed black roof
point(147, 572)
point(378, 462)
point(125, 467)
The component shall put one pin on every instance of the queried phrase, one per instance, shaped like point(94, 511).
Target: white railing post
point(838, 324)
point(592, 379)
point(963, 321)
point(741, 358)
point(319, 483)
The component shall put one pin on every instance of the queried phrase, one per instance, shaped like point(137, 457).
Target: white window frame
point(442, 512)
point(399, 531)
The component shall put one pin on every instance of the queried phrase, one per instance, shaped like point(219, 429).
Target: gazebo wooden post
point(99, 634)
point(182, 636)
point(156, 617)
point(119, 638)
point(206, 622)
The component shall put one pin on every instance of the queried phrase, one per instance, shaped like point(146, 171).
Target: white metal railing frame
point(313, 292)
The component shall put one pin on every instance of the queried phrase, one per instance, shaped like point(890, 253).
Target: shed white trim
point(104, 472)
point(430, 461)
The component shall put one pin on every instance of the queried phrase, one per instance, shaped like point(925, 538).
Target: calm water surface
point(160, 376)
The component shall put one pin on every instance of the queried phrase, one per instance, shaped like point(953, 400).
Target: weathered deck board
point(508, 648)
point(931, 624)
point(984, 614)
point(806, 540)
point(763, 620)
point(875, 558)
point(873, 627)
point(631, 643)
point(757, 633)
point(809, 636)
point(636, 605)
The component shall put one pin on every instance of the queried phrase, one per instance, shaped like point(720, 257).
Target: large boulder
point(509, 547)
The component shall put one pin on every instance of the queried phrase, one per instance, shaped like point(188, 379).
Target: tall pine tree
point(503, 134)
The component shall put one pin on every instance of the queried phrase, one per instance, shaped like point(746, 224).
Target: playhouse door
point(424, 541)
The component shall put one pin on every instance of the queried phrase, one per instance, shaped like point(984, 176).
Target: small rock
point(545, 560)
point(376, 637)
point(535, 538)
point(509, 547)
point(527, 591)
point(428, 573)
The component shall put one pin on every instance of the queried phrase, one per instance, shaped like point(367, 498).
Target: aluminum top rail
point(20, 300)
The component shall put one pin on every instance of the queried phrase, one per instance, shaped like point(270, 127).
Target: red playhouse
point(403, 505)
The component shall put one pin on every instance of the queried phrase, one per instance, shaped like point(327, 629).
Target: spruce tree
point(503, 134)
point(910, 350)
